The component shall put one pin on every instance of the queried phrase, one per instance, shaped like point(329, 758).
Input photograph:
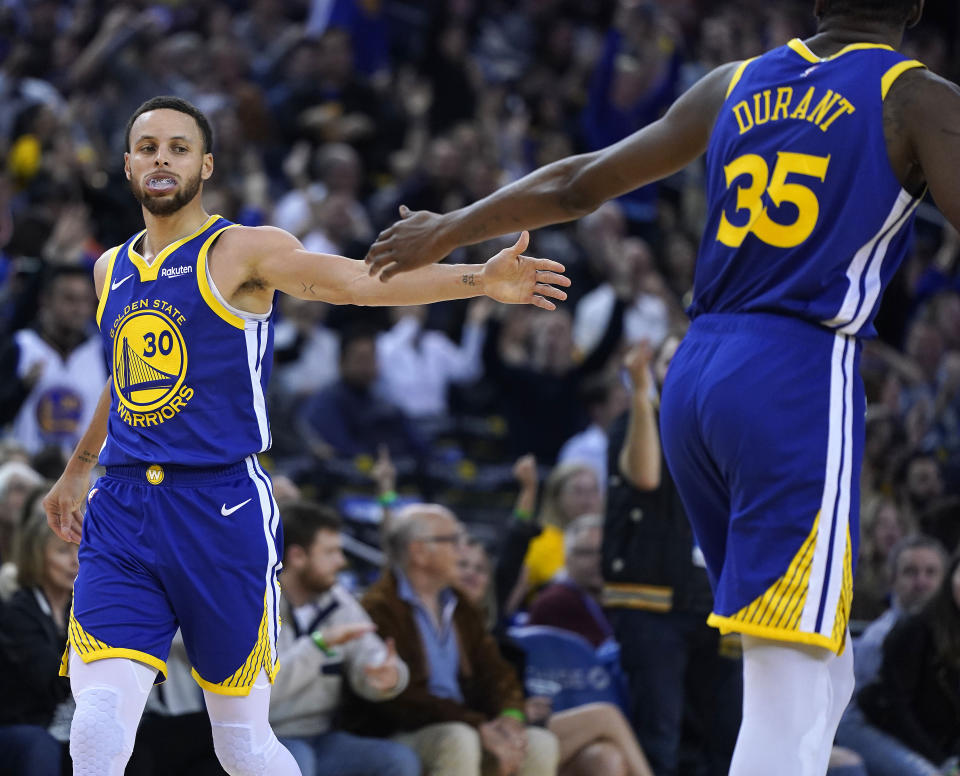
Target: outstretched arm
point(271, 258)
point(561, 191)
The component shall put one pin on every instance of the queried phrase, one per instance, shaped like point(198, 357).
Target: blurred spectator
point(17, 479)
point(685, 683)
point(594, 738)
point(605, 399)
point(572, 600)
point(305, 352)
point(37, 707)
point(917, 565)
point(571, 490)
point(351, 417)
point(539, 396)
point(883, 525)
point(632, 280)
point(59, 366)
point(463, 704)
point(329, 638)
point(916, 697)
point(418, 364)
point(921, 485)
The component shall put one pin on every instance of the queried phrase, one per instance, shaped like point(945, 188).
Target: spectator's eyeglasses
point(455, 539)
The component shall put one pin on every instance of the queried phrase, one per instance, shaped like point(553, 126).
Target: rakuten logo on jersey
point(175, 272)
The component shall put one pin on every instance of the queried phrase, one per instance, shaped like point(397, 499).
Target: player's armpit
point(929, 113)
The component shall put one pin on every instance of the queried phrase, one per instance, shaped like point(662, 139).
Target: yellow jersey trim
point(151, 271)
point(107, 280)
point(240, 682)
point(737, 75)
point(206, 292)
point(801, 48)
point(894, 73)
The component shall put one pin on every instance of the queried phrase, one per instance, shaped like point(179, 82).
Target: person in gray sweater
point(327, 638)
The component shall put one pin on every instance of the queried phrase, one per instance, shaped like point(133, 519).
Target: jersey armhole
point(886, 82)
point(737, 75)
point(107, 280)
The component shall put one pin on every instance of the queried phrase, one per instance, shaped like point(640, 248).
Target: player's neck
point(836, 32)
point(164, 230)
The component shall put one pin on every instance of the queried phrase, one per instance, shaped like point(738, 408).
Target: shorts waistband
point(762, 323)
point(174, 474)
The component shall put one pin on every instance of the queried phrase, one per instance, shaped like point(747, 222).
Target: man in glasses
point(462, 711)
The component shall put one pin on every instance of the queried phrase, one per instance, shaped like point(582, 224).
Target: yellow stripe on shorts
point(240, 682)
point(90, 648)
point(776, 613)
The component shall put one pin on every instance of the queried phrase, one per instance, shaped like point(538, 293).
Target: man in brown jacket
point(462, 710)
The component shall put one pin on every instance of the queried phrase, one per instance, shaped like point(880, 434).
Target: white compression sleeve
point(110, 696)
point(242, 736)
point(793, 696)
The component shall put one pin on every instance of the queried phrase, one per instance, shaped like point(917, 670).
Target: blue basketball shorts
point(762, 421)
point(194, 548)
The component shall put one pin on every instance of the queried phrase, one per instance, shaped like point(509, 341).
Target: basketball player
point(817, 155)
point(183, 529)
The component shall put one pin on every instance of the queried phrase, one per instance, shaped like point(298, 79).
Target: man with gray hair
point(462, 710)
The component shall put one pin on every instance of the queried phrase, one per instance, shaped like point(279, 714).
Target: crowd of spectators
point(328, 115)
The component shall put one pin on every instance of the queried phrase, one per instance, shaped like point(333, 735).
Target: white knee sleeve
point(110, 695)
point(242, 737)
point(790, 705)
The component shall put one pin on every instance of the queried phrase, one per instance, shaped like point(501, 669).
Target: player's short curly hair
point(169, 102)
point(893, 12)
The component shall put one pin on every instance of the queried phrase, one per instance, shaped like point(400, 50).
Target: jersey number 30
point(749, 198)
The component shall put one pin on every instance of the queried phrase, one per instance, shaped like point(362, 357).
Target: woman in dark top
point(917, 696)
point(33, 627)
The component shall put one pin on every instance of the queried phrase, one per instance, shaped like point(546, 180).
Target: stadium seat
point(566, 668)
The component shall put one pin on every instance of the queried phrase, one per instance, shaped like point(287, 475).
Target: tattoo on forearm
point(308, 289)
point(469, 280)
point(85, 456)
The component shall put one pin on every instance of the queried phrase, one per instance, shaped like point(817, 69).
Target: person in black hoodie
point(917, 695)
point(33, 636)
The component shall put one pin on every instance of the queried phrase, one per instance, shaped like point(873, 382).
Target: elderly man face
point(437, 544)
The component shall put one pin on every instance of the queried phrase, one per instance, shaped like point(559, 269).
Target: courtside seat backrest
point(565, 667)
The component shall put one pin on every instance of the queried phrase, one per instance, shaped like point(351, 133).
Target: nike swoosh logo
point(227, 512)
point(117, 284)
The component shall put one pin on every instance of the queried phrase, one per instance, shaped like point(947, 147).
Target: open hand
point(512, 278)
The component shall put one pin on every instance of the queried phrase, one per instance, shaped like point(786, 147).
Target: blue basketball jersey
point(805, 215)
point(189, 371)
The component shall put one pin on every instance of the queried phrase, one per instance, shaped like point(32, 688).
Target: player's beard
point(167, 204)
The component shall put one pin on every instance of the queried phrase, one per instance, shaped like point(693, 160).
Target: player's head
point(312, 550)
point(169, 154)
point(895, 13)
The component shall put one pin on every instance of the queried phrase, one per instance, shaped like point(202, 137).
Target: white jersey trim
point(869, 260)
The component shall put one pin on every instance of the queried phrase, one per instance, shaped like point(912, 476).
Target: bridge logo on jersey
point(149, 366)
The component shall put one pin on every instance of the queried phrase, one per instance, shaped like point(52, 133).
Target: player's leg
point(791, 696)
point(110, 695)
point(120, 626)
point(779, 412)
point(242, 737)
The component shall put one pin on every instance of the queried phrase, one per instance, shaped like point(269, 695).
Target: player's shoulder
point(252, 240)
